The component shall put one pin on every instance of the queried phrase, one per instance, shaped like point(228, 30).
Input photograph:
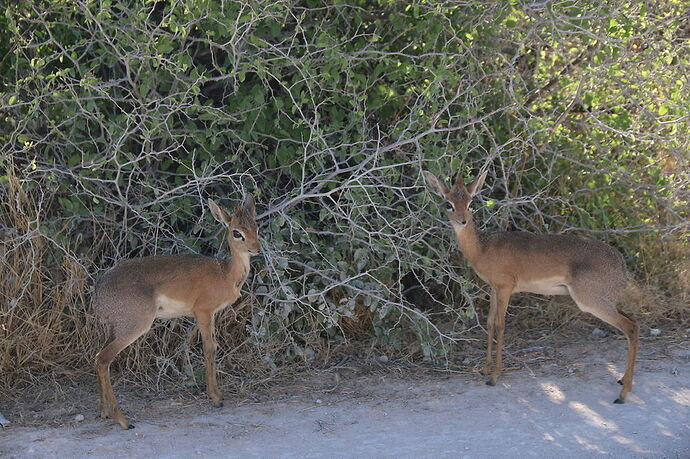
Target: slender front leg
point(206, 327)
point(491, 319)
point(502, 299)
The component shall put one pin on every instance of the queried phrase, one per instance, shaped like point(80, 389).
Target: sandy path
point(562, 414)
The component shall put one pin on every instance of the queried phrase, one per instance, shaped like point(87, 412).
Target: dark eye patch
point(237, 235)
point(449, 206)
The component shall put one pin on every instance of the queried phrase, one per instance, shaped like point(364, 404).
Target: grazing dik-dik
point(134, 292)
point(591, 272)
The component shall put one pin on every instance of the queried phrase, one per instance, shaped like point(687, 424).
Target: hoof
point(619, 401)
point(490, 383)
point(124, 423)
point(620, 381)
point(126, 426)
point(219, 404)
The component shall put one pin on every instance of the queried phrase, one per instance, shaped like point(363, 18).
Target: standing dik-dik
point(135, 292)
point(591, 272)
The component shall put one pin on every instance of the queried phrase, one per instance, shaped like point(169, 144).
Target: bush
point(119, 119)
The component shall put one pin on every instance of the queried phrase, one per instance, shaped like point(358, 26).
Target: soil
point(553, 400)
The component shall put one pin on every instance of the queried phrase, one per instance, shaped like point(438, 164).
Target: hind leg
point(102, 401)
point(601, 303)
point(120, 340)
point(632, 333)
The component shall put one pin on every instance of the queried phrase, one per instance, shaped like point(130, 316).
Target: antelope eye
point(237, 235)
point(449, 206)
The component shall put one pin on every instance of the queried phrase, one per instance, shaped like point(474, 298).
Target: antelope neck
point(239, 267)
point(469, 240)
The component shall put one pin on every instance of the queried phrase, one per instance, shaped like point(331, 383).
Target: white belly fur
point(548, 286)
point(168, 308)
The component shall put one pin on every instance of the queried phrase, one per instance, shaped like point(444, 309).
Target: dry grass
point(47, 331)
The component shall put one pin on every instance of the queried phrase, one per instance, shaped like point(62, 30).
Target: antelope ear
point(219, 214)
point(435, 185)
point(248, 206)
point(476, 186)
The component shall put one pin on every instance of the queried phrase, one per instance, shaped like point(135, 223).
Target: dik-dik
point(135, 292)
point(591, 272)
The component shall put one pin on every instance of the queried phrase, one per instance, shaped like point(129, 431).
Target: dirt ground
point(552, 401)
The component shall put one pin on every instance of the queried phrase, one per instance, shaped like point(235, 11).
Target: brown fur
point(591, 272)
point(131, 295)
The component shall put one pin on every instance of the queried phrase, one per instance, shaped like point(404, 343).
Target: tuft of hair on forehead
point(245, 212)
point(459, 181)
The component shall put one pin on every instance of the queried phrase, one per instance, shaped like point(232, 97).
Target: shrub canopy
point(119, 120)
